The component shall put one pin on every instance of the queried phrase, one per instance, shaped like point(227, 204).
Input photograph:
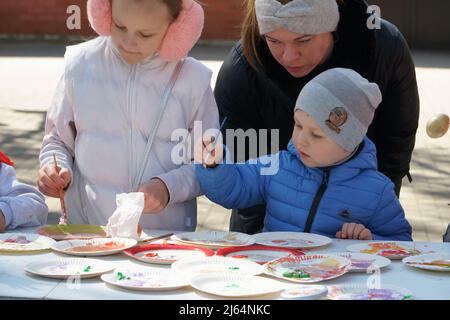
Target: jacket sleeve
point(389, 221)
point(60, 131)
point(21, 204)
point(399, 113)
point(182, 182)
point(234, 186)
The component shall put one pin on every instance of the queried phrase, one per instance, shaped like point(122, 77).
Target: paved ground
point(29, 72)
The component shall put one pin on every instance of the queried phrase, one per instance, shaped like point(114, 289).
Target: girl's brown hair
point(250, 32)
point(175, 7)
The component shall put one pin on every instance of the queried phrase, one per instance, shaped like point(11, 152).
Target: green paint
point(297, 274)
point(233, 268)
point(233, 285)
point(87, 269)
point(121, 276)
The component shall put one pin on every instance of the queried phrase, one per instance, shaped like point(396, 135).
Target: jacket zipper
point(316, 202)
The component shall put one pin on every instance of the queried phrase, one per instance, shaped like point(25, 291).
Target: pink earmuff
point(181, 36)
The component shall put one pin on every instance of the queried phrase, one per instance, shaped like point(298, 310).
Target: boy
point(327, 182)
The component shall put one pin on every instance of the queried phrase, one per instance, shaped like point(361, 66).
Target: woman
point(286, 43)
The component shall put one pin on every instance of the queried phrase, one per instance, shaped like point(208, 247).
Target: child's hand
point(2, 222)
point(354, 231)
point(156, 195)
point(208, 152)
point(50, 182)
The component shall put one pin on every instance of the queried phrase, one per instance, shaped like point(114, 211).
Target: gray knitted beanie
point(306, 17)
point(343, 104)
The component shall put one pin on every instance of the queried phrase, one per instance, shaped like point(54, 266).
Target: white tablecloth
point(16, 283)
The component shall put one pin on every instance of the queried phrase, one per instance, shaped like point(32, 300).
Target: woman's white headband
point(306, 17)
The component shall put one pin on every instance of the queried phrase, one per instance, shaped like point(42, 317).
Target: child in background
point(21, 205)
point(120, 99)
point(327, 182)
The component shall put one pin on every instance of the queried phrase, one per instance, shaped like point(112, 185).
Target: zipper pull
point(326, 175)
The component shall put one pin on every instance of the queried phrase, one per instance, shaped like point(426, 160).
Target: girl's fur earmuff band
point(181, 36)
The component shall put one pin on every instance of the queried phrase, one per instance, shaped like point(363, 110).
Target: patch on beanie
point(337, 118)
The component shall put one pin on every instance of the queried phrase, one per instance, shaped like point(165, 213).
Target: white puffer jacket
point(98, 126)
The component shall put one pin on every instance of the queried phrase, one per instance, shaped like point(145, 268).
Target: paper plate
point(305, 292)
point(309, 268)
point(215, 239)
point(146, 279)
point(361, 262)
point(295, 240)
point(258, 254)
point(166, 253)
point(234, 285)
point(217, 264)
point(362, 292)
point(72, 231)
point(69, 267)
point(390, 249)
point(432, 261)
point(24, 243)
point(93, 247)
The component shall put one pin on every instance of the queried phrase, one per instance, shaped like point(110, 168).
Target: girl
point(121, 97)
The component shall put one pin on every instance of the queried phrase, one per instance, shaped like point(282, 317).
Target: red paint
point(240, 256)
point(131, 252)
point(151, 255)
point(226, 251)
point(5, 159)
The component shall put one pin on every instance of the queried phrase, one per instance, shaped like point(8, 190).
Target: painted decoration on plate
point(73, 231)
point(308, 268)
point(305, 292)
point(258, 253)
point(146, 279)
point(432, 262)
point(293, 240)
point(362, 292)
point(391, 250)
point(234, 285)
point(22, 243)
point(166, 253)
point(362, 262)
point(68, 267)
point(215, 238)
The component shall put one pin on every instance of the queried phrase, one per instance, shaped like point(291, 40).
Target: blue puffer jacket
point(304, 199)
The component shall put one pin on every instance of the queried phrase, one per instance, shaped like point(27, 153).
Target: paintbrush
point(164, 236)
point(63, 219)
point(214, 142)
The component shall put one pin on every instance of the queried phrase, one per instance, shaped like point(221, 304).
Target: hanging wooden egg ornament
point(438, 126)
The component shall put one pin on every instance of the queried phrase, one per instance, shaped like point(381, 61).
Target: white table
point(16, 283)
